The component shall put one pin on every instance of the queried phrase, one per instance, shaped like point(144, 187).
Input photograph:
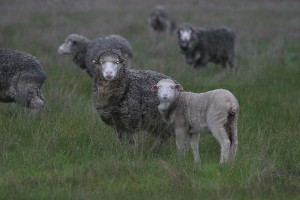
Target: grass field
point(69, 153)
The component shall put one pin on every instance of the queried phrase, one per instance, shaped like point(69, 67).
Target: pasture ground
point(68, 153)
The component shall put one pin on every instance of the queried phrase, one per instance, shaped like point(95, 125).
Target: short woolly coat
point(217, 44)
point(127, 103)
point(18, 69)
point(87, 50)
point(199, 111)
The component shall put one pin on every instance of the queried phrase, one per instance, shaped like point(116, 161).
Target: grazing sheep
point(84, 50)
point(190, 113)
point(201, 46)
point(123, 97)
point(160, 21)
point(21, 78)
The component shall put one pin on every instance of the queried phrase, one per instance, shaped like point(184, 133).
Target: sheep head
point(72, 44)
point(187, 37)
point(109, 62)
point(167, 90)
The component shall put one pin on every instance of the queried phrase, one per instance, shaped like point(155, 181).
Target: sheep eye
point(172, 87)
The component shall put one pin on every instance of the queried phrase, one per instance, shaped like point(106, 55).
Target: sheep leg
point(202, 62)
point(221, 135)
point(232, 63)
point(120, 136)
point(194, 141)
point(224, 63)
point(131, 138)
point(234, 141)
point(180, 135)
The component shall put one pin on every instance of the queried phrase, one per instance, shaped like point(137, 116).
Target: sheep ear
point(122, 60)
point(154, 88)
point(178, 87)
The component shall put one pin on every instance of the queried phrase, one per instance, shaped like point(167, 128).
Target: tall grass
point(67, 152)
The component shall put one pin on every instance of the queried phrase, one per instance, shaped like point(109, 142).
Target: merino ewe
point(201, 46)
point(189, 113)
point(84, 50)
point(123, 97)
point(160, 21)
point(21, 78)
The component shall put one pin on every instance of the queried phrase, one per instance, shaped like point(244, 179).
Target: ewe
point(21, 79)
point(123, 97)
point(160, 21)
point(84, 50)
point(201, 46)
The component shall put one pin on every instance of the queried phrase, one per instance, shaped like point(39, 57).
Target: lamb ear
point(178, 87)
point(154, 88)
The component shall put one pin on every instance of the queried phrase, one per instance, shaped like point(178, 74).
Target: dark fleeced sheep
point(123, 97)
point(21, 78)
point(160, 20)
point(84, 50)
point(201, 46)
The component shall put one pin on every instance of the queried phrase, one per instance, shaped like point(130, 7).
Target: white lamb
point(189, 113)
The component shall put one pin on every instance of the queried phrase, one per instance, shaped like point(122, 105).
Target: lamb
point(84, 50)
point(123, 98)
point(160, 21)
point(189, 113)
point(21, 78)
point(201, 46)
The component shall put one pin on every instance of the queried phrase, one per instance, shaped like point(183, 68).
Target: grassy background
point(68, 153)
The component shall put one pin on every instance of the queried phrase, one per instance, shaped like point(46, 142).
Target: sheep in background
point(190, 113)
point(123, 97)
point(160, 21)
point(201, 46)
point(84, 50)
point(21, 78)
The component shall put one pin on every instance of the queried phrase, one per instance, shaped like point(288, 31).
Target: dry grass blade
point(177, 177)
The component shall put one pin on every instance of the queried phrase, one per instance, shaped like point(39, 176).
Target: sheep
point(21, 78)
point(160, 21)
point(189, 113)
point(84, 50)
point(201, 46)
point(123, 99)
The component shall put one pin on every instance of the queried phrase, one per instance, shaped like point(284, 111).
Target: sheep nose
point(109, 72)
point(184, 47)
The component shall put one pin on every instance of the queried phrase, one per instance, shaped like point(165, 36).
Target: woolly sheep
point(123, 97)
point(160, 21)
point(21, 78)
point(190, 113)
point(201, 46)
point(84, 50)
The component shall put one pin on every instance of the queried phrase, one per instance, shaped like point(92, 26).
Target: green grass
point(67, 152)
